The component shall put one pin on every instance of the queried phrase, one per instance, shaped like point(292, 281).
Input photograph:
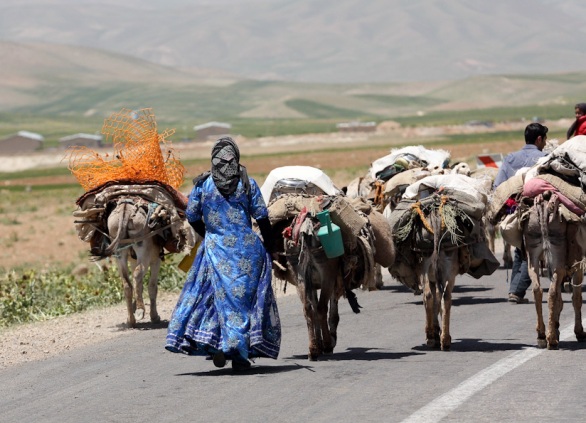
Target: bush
point(33, 295)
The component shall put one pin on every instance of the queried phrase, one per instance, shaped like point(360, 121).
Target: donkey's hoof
point(139, 314)
point(156, 319)
point(553, 346)
point(541, 343)
point(432, 343)
point(581, 337)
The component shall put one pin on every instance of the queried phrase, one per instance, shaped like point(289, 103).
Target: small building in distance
point(81, 140)
point(356, 126)
point(211, 130)
point(22, 142)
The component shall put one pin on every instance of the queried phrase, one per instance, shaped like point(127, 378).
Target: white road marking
point(443, 405)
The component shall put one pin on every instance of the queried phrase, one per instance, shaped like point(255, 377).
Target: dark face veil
point(226, 169)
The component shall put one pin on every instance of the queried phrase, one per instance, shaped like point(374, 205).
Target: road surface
point(380, 371)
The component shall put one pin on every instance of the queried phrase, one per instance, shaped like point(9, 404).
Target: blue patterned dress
point(227, 303)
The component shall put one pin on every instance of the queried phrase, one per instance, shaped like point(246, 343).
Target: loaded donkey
point(307, 260)
point(135, 223)
point(439, 233)
point(548, 223)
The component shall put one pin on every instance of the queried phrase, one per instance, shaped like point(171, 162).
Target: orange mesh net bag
point(140, 153)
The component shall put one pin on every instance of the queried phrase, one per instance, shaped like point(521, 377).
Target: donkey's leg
point(333, 320)
point(431, 322)
point(533, 267)
point(490, 235)
point(449, 260)
point(155, 266)
point(127, 284)
point(378, 276)
point(434, 330)
point(328, 271)
point(555, 307)
point(577, 303)
point(317, 320)
point(138, 273)
point(575, 254)
point(445, 337)
point(322, 315)
point(308, 312)
point(507, 256)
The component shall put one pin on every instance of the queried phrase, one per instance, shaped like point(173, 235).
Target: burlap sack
point(501, 194)
point(405, 273)
point(348, 219)
point(400, 215)
point(484, 172)
point(360, 204)
point(403, 179)
point(467, 203)
point(574, 193)
point(511, 231)
point(383, 239)
point(289, 205)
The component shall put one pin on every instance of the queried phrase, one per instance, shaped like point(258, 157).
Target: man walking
point(535, 137)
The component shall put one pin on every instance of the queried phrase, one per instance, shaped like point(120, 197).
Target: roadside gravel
point(41, 340)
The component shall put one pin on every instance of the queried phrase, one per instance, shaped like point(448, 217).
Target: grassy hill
point(58, 90)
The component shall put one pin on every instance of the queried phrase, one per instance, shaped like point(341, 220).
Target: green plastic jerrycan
point(330, 235)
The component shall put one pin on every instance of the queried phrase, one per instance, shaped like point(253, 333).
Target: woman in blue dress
point(227, 309)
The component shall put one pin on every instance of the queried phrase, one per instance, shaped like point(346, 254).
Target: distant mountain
point(56, 80)
point(334, 41)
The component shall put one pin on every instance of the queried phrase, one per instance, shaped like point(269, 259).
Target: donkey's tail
point(353, 301)
point(121, 212)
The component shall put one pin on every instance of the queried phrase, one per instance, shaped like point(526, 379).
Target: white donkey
point(134, 243)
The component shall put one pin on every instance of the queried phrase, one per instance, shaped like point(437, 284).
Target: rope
point(443, 201)
point(133, 241)
point(417, 208)
point(378, 193)
point(152, 207)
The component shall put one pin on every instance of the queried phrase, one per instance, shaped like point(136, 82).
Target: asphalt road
point(380, 371)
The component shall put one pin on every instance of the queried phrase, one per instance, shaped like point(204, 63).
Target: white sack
point(305, 173)
point(432, 157)
point(477, 188)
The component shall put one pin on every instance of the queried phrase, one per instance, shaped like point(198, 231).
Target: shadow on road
point(462, 301)
point(572, 345)
point(396, 287)
point(146, 325)
point(358, 354)
point(256, 369)
point(457, 288)
point(470, 288)
point(477, 345)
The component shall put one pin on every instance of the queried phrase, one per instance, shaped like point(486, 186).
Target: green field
point(59, 107)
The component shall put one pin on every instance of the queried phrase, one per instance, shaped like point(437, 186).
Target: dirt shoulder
point(39, 341)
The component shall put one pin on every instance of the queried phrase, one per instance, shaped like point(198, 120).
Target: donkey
point(547, 234)
point(491, 231)
point(134, 243)
point(437, 273)
point(310, 270)
point(442, 242)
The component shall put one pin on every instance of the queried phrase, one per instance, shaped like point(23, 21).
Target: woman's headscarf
point(582, 108)
point(226, 168)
